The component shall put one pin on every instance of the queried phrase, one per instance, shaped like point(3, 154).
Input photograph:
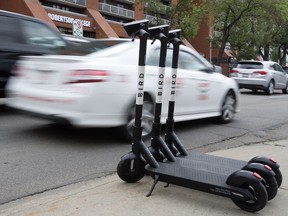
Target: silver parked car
point(260, 75)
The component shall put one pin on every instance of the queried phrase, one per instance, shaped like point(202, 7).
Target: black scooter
point(244, 187)
point(266, 167)
point(131, 167)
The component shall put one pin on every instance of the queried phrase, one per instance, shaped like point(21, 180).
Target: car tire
point(228, 108)
point(147, 120)
point(2, 107)
point(270, 88)
point(285, 91)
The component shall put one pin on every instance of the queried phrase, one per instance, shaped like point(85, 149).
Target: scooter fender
point(265, 160)
point(241, 177)
point(262, 169)
point(129, 156)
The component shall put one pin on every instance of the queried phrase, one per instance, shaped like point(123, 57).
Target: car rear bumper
point(66, 114)
point(252, 83)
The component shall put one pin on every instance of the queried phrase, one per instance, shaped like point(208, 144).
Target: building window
point(66, 30)
point(89, 34)
point(60, 6)
point(69, 31)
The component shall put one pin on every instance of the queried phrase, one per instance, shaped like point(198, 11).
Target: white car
point(98, 90)
point(260, 75)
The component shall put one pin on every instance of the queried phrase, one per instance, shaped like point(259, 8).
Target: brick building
point(100, 18)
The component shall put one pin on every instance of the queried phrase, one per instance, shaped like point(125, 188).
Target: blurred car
point(84, 46)
point(285, 69)
point(260, 75)
point(98, 90)
point(76, 40)
point(23, 35)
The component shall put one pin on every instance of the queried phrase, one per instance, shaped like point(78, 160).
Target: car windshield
point(250, 65)
point(95, 46)
point(115, 50)
point(91, 47)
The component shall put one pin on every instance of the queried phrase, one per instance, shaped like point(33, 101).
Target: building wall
point(27, 7)
point(201, 41)
point(98, 24)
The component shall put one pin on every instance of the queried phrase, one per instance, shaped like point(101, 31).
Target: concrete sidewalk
point(110, 196)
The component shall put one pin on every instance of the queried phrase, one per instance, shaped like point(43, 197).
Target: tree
point(186, 14)
point(252, 27)
point(227, 15)
point(257, 28)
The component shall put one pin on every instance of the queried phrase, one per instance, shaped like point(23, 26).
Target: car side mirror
point(217, 69)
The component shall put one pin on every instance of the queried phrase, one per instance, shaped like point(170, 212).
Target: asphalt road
point(37, 156)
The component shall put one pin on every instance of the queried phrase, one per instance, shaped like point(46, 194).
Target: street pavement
point(111, 196)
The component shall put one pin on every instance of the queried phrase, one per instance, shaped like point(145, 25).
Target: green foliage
point(186, 14)
point(252, 27)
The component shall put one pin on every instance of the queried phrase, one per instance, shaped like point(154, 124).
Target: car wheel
point(147, 120)
point(2, 107)
point(228, 108)
point(285, 91)
point(270, 89)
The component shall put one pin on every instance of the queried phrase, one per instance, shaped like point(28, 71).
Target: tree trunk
point(283, 54)
point(266, 52)
point(222, 48)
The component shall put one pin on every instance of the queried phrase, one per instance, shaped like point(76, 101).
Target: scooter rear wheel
point(131, 170)
point(259, 192)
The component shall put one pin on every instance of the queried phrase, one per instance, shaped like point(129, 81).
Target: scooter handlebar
point(174, 36)
point(158, 32)
point(137, 28)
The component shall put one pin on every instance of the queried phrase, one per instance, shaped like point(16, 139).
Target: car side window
point(38, 34)
point(190, 62)
point(154, 56)
point(7, 30)
point(279, 68)
point(273, 67)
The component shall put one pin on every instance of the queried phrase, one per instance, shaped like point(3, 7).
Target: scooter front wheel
point(131, 170)
point(259, 192)
point(271, 187)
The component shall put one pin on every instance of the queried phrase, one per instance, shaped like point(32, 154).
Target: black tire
point(255, 90)
point(270, 88)
point(147, 120)
point(271, 187)
point(2, 108)
point(260, 195)
point(131, 171)
point(228, 108)
point(285, 91)
point(278, 176)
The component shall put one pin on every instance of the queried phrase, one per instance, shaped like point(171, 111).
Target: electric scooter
point(244, 187)
point(266, 167)
point(159, 148)
point(131, 167)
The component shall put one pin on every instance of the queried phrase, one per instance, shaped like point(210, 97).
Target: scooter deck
point(208, 177)
point(216, 160)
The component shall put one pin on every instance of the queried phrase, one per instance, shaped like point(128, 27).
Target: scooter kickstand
point(167, 185)
point(153, 186)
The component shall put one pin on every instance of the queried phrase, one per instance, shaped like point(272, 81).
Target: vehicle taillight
point(233, 71)
point(260, 72)
point(88, 76)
